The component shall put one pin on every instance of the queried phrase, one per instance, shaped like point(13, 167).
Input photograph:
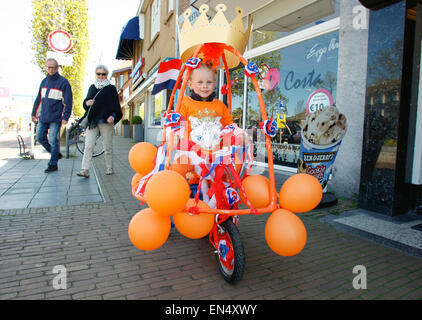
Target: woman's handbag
point(84, 123)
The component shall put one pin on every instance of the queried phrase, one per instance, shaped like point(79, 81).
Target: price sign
point(319, 100)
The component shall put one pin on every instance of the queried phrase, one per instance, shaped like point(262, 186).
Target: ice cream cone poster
point(321, 137)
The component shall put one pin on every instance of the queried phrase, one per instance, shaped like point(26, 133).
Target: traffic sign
point(59, 41)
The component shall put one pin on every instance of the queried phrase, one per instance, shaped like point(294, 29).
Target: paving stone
point(91, 241)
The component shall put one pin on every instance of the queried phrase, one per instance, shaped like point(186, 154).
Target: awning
point(377, 4)
point(129, 34)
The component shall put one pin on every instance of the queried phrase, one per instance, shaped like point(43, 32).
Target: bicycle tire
point(98, 148)
point(233, 241)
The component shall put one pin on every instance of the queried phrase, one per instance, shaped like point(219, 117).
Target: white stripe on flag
point(170, 74)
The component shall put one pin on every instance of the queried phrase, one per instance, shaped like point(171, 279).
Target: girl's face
point(202, 82)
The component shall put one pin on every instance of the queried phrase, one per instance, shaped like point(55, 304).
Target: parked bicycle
point(77, 136)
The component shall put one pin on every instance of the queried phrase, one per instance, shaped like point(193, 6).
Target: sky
point(17, 70)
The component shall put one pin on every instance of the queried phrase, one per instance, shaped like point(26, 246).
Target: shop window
point(155, 18)
point(289, 77)
point(141, 111)
point(156, 109)
point(237, 80)
point(121, 80)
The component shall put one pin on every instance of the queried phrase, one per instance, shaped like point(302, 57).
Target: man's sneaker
point(50, 168)
point(60, 155)
point(83, 173)
point(109, 171)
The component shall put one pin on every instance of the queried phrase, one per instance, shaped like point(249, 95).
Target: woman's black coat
point(106, 104)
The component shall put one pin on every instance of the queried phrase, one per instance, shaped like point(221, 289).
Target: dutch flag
point(168, 71)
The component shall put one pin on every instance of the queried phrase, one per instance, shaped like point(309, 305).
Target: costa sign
point(60, 41)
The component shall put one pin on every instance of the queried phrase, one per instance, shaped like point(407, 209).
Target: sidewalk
point(23, 183)
point(90, 240)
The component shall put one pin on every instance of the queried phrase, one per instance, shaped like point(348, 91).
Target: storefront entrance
point(391, 159)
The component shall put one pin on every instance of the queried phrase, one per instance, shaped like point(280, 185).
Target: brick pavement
point(91, 241)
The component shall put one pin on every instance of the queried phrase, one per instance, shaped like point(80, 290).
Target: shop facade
point(156, 42)
point(123, 82)
point(341, 53)
point(311, 54)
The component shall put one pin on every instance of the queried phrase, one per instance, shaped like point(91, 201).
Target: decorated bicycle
point(201, 173)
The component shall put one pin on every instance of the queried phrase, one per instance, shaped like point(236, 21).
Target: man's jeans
point(51, 144)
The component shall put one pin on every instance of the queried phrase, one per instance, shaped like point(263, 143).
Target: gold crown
point(218, 30)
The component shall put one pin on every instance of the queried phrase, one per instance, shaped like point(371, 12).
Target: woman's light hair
point(101, 66)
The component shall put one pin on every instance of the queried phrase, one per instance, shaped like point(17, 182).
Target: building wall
point(351, 87)
point(153, 51)
point(163, 44)
point(127, 84)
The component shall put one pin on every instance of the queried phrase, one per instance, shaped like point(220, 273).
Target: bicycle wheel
point(230, 254)
point(98, 147)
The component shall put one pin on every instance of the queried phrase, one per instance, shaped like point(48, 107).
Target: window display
point(293, 80)
point(157, 109)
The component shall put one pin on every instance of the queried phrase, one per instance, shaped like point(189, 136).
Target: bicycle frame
point(185, 74)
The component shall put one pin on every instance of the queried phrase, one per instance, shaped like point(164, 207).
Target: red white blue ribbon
point(269, 127)
point(232, 196)
point(173, 120)
point(159, 165)
point(227, 129)
point(193, 63)
point(251, 69)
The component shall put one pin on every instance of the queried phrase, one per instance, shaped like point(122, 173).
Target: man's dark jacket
point(54, 99)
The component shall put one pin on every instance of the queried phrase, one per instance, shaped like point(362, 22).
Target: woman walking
point(103, 111)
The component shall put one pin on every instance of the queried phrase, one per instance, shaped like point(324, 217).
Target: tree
point(70, 16)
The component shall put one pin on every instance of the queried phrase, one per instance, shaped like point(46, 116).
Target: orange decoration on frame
point(300, 193)
point(194, 226)
point(285, 233)
point(149, 230)
point(141, 157)
point(167, 192)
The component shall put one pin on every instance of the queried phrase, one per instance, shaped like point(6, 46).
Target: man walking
point(52, 108)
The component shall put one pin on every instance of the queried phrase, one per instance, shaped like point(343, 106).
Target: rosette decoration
point(269, 127)
point(193, 63)
point(173, 120)
point(251, 69)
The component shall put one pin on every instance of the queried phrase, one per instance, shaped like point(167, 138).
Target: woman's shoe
point(83, 173)
point(109, 171)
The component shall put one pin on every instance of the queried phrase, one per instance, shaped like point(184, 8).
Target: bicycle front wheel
point(98, 147)
point(230, 254)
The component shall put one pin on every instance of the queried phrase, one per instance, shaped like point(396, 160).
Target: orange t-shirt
point(199, 109)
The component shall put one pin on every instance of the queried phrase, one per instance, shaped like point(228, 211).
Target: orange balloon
point(300, 193)
point(167, 192)
point(285, 233)
point(141, 157)
point(194, 226)
point(135, 179)
point(149, 230)
point(257, 189)
point(182, 165)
